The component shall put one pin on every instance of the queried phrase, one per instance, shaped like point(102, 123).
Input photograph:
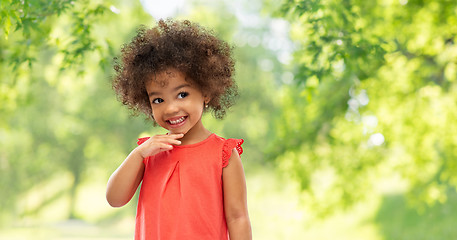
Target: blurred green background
point(348, 109)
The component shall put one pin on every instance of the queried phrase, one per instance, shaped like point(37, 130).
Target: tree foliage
point(59, 115)
point(377, 89)
point(373, 98)
point(57, 106)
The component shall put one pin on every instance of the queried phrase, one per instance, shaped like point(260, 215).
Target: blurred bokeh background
point(348, 109)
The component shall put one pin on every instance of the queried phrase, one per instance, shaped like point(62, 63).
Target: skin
point(125, 180)
point(173, 98)
point(235, 203)
point(177, 105)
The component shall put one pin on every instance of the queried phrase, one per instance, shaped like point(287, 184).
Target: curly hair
point(195, 51)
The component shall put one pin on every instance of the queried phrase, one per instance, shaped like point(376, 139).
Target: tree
point(62, 117)
point(375, 98)
point(59, 114)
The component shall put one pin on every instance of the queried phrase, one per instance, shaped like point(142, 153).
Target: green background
point(348, 110)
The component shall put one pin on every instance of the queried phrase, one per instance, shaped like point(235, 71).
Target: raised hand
point(125, 180)
point(158, 143)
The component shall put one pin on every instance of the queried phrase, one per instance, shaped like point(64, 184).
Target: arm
point(235, 199)
point(125, 180)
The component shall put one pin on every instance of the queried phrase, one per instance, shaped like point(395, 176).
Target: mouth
point(176, 122)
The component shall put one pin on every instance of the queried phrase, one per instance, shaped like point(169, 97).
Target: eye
point(183, 94)
point(157, 100)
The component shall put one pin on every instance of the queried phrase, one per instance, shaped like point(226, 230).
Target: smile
point(176, 121)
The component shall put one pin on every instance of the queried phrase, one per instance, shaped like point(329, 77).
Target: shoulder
point(231, 148)
point(227, 140)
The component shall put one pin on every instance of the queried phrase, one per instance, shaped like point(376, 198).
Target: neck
point(197, 134)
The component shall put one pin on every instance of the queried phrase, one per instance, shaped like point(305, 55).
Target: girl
point(193, 184)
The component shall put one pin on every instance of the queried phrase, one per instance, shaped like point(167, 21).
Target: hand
point(158, 143)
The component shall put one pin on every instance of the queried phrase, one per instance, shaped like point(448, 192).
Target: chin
point(177, 132)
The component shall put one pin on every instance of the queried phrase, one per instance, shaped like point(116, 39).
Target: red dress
point(181, 194)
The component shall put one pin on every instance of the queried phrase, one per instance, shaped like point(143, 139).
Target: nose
point(171, 108)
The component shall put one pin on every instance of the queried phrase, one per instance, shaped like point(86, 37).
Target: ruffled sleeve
point(142, 140)
point(230, 144)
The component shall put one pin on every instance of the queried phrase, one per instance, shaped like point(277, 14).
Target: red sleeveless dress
point(181, 194)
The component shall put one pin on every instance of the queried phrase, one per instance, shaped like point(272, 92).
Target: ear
point(207, 99)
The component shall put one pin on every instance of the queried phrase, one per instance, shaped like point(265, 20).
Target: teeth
point(180, 120)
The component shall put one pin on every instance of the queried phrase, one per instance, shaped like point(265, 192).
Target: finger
point(175, 135)
point(165, 147)
point(176, 142)
point(170, 141)
point(169, 138)
point(170, 135)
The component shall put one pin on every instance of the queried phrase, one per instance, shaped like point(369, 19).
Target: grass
point(275, 211)
point(398, 220)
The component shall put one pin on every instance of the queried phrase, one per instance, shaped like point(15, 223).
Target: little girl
point(193, 183)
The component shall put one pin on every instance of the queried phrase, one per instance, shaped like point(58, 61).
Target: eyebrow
point(175, 89)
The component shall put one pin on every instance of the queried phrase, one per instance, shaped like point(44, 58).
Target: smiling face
point(177, 105)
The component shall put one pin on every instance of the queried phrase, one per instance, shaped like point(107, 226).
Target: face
point(177, 105)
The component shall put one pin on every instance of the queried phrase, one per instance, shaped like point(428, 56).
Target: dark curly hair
point(195, 51)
